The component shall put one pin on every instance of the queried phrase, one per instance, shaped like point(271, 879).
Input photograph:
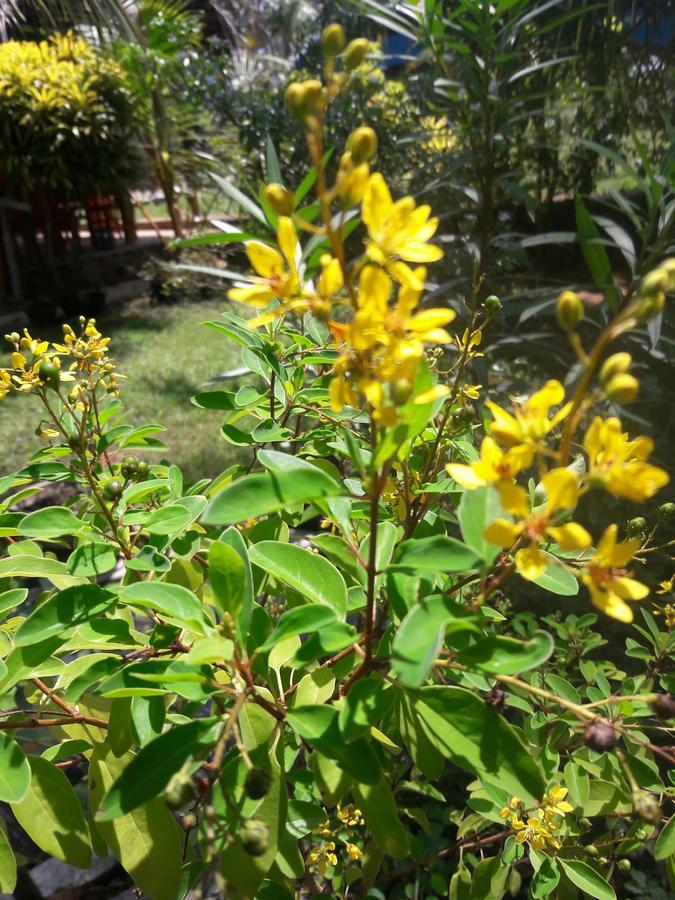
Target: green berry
point(49, 373)
point(257, 784)
point(113, 489)
point(254, 836)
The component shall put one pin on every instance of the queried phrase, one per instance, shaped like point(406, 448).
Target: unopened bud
point(599, 736)
point(669, 266)
point(356, 52)
point(650, 307)
point(624, 865)
point(666, 512)
point(585, 824)
point(616, 364)
point(655, 282)
point(647, 807)
point(332, 40)
point(493, 304)
point(304, 98)
point(636, 526)
point(280, 199)
point(664, 706)
point(401, 390)
point(569, 311)
point(591, 850)
point(362, 144)
point(622, 388)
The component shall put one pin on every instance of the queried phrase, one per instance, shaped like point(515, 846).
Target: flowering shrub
point(306, 676)
point(66, 115)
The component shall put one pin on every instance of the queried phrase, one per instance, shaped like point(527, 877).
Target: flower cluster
point(613, 463)
point(323, 855)
point(538, 827)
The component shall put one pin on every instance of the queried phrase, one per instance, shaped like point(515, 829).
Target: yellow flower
point(5, 383)
point(322, 856)
point(277, 273)
point(467, 343)
point(512, 811)
point(618, 464)
point(354, 851)
point(495, 466)
point(350, 816)
point(562, 492)
point(606, 577)
point(665, 587)
point(668, 613)
point(537, 833)
point(530, 422)
point(398, 232)
point(554, 803)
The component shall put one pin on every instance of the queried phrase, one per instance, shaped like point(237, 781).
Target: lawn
point(166, 356)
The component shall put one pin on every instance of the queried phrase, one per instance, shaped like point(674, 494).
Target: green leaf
point(93, 558)
point(169, 519)
point(223, 400)
point(51, 522)
point(51, 815)
point(308, 573)
point(577, 783)
point(595, 253)
point(14, 770)
point(148, 773)
point(381, 814)
point(367, 702)
point(228, 578)
point(420, 637)
point(505, 655)
point(301, 620)
point(545, 879)
point(10, 600)
point(177, 604)
point(147, 841)
point(25, 566)
point(319, 726)
point(557, 580)
point(587, 879)
point(435, 554)
point(63, 612)
point(489, 879)
point(7, 866)
point(475, 737)
point(477, 510)
point(266, 492)
point(665, 843)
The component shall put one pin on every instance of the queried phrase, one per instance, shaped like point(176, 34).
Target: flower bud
point(599, 736)
point(668, 265)
point(401, 390)
point(591, 850)
point(294, 98)
point(622, 388)
point(616, 364)
point(664, 706)
point(641, 835)
point(646, 807)
point(655, 282)
point(585, 824)
point(362, 144)
point(304, 97)
point(650, 307)
point(636, 526)
point(624, 865)
point(254, 836)
point(280, 199)
point(332, 40)
point(356, 52)
point(666, 512)
point(569, 311)
point(492, 304)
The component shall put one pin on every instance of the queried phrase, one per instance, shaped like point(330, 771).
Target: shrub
point(66, 116)
point(306, 675)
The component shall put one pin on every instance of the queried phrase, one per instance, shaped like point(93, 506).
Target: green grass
point(166, 356)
